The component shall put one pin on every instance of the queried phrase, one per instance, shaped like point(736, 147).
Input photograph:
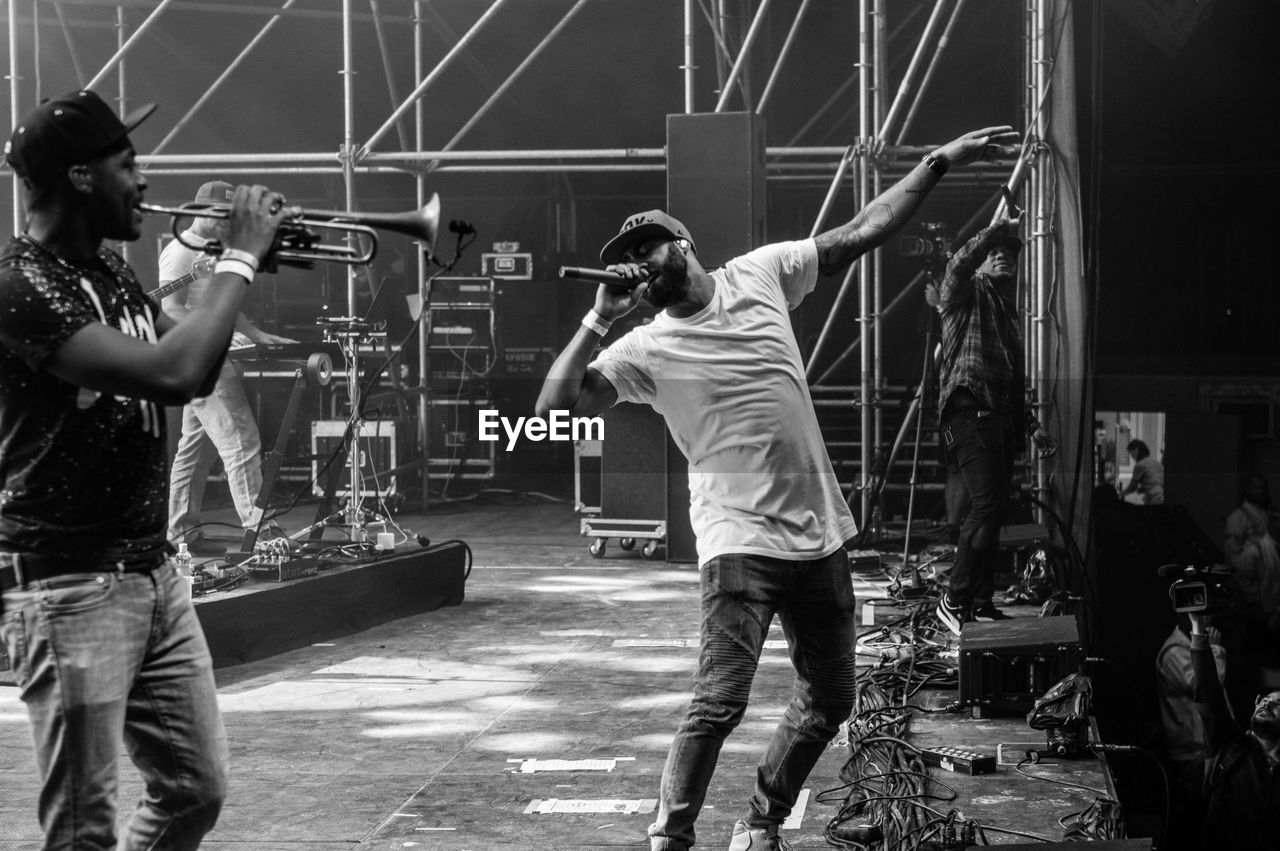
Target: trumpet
point(299, 241)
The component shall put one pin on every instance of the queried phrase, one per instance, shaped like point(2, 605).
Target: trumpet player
point(221, 424)
point(99, 629)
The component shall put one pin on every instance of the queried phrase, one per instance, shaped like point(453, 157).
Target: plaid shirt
point(981, 335)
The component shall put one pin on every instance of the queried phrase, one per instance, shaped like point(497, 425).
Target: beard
point(671, 284)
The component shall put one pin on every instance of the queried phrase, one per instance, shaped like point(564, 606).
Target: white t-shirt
point(730, 383)
point(177, 261)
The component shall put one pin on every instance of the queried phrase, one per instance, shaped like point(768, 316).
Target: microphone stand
point(349, 332)
point(908, 578)
point(912, 587)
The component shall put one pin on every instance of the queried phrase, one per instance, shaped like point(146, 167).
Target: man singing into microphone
point(721, 364)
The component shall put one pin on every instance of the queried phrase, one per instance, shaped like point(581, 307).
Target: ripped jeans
point(740, 595)
point(106, 663)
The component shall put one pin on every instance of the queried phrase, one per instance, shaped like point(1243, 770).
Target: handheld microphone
point(461, 227)
point(598, 276)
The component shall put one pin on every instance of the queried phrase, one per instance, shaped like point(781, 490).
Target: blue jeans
point(740, 595)
point(219, 425)
point(106, 659)
point(979, 447)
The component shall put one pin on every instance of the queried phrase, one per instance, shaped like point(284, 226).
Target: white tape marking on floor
point(797, 812)
point(530, 766)
point(540, 806)
point(655, 642)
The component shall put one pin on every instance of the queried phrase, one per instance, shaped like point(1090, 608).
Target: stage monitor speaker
point(528, 314)
point(716, 181)
point(644, 476)
point(633, 464)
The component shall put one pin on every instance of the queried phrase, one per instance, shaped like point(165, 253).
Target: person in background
point(1182, 728)
point(1148, 476)
point(1250, 546)
point(220, 425)
point(1240, 766)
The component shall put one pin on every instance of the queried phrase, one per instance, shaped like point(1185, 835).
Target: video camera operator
point(1241, 782)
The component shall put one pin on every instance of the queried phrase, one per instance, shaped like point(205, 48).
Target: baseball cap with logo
point(66, 131)
point(640, 227)
point(1007, 236)
point(215, 192)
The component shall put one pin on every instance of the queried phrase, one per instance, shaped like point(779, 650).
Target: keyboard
point(286, 352)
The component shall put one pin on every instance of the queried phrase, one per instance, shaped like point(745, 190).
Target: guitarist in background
point(220, 424)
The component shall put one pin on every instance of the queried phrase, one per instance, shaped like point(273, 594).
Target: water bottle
point(182, 563)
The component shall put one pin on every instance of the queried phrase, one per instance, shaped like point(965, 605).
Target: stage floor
point(414, 733)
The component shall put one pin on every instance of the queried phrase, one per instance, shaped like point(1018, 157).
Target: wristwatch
point(938, 165)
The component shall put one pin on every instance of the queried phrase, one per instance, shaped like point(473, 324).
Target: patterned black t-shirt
point(82, 474)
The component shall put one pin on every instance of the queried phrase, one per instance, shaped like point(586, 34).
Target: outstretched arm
point(957, 281)
point(884, 216)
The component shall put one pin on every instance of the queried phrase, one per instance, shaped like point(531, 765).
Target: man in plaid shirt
point(982, 407)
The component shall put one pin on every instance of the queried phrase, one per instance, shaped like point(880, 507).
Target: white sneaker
point(757, 839)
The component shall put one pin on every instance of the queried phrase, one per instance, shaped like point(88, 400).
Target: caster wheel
point(649, 549)
point(627, 543)
point(597, 548)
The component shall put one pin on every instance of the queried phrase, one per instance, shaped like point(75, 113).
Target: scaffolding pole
point(14, 115)
point(422, 87)
point(688, 66)
point(782, 55)
point(865, 399)
point(124, 47)
point(743, 53)
point(222, 78)
point(513, 76)
point(71, 48)
point(424, 270)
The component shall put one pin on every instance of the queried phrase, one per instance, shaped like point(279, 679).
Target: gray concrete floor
point(410, 735)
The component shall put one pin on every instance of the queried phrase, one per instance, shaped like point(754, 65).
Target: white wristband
point(235, 267)
point(242, 256)
point(597, 323)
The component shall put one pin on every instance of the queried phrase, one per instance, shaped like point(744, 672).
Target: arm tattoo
point(839, 247)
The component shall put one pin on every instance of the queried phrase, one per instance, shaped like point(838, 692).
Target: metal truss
point(879, 154)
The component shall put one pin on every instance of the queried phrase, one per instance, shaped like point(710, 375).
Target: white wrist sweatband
point(235, 267)
point(242, 256)
point(597, 323)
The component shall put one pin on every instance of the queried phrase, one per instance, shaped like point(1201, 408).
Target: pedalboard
point(959, 760)
point(275, 569)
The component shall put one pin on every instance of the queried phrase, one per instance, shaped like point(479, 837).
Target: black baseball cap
point(65, 131)
point(640, 227)
point(1008, 237)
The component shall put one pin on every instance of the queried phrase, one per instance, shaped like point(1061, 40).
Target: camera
point(1198, 588)
point(933, 245)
